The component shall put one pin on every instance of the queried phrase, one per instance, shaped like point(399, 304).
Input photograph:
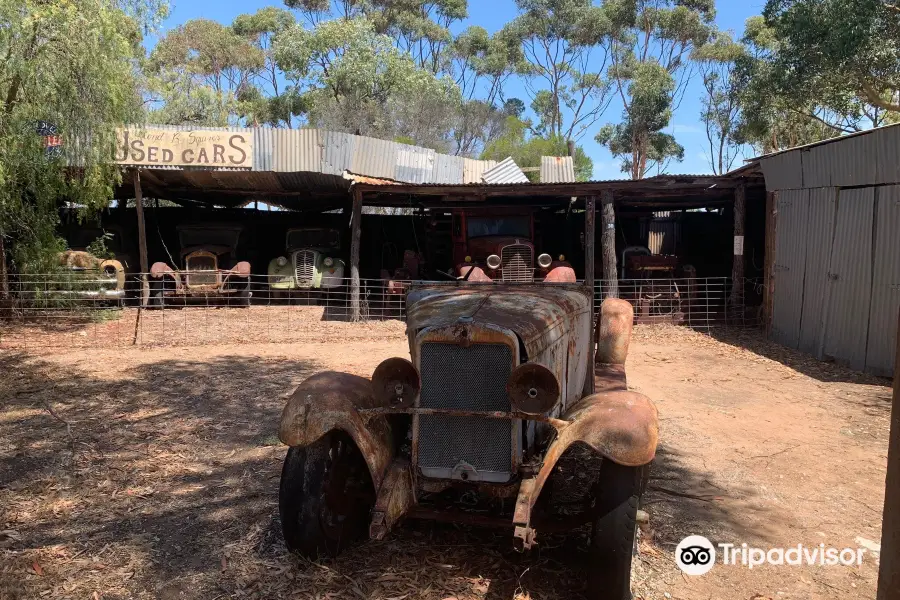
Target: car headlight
point(545, 260)
point(493, 261)
point(109, 272)
point(328, 262)
point(281, 261)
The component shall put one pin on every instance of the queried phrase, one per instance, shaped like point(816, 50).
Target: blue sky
point(492, 14)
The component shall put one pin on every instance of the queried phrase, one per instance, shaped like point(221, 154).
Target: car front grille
point(465, 378)
point(304, 267)
point(201, 271)
point(516, 263)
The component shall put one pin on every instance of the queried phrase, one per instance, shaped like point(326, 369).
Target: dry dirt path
point(167, 485)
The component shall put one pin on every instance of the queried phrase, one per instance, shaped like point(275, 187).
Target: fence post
point(737, 264)
point(356, 232)
point(142, 238)
point(889, 576)
point(608, 244)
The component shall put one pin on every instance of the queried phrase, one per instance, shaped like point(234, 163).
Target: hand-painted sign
point(147, 146)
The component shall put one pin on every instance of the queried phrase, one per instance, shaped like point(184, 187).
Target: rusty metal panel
point(882, 342)
point(374, 158)
point(447, 169)
point(820, 231)
point(783, 171)
point(849, 286)
point(790, 265)
point(887, 154)
point(557, 169)
point(337, 152)
point(474, 169)
point(506, 171)
point(296, 150)
point(413, 164)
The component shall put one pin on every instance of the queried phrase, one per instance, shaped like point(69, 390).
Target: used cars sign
point(194, 148)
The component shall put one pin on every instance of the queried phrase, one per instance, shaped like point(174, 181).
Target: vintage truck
point(211, 270)
point(89, 278)
point(503, 382)
point(501, 243)
point(312, 261)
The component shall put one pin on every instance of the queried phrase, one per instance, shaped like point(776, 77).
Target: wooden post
point(769, 261)
point(355, 233)
point(142, 238)
point(737, 263)
point(889, 576)
point(4, 276)
point(590, 228)
point(608, 245)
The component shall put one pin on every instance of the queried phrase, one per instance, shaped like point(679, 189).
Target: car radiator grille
point(201, 271)
point(473, 378)
point(304, 267)
point(516, 261)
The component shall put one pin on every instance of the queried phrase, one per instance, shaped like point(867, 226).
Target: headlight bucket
point(328, 262)
point(532, 389)
point(281, 261)
point(396, 383)
point(493, 261)
point(545, 260)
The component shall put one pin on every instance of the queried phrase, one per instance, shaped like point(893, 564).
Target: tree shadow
point(827, 372)
point(170, 482)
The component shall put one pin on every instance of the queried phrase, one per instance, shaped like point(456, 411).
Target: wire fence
point(98, 310)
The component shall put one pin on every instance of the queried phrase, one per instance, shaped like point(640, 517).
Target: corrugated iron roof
point(507, 171)
point(557, 169)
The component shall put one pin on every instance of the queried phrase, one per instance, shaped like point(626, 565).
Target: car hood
point(540, 314)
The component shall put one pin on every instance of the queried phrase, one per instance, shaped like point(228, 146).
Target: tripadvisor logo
point(696, 555)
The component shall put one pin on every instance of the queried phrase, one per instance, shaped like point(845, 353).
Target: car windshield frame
point(334, 244)
point(501, 225)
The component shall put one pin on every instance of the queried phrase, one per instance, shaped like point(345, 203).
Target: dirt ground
point(153, 473)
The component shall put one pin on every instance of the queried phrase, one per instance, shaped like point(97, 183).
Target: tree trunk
point(355, 234)
point(608, 245)
point(4, 274)
point(737, 265)
point(142, 238)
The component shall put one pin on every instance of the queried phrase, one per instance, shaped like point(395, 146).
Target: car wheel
point(612, 542)
point(243, 296)
point(157, 299)
point(325, 497)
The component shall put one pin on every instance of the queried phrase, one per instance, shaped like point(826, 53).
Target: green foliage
point(71, 64)
point(527, 150)
point(565, 48)
point(721, 105)
point(98, 247)
point(843, 52)
point(653, 43)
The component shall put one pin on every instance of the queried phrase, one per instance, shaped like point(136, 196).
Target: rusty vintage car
point(500, 242)
point(89, 278)
point(501, 390)
point(211, 270)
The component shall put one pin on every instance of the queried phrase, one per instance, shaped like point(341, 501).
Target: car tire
point(617, 496)
point(243, 295)
point(326, 496)
point(157, 299)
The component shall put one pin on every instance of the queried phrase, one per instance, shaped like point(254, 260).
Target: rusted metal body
point(419, 436)
point(94, 278)
point(210, 268)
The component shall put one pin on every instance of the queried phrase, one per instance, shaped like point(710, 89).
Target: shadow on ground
point(169, 482)
point(755, 341)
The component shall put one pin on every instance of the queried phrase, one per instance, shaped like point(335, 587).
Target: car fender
point(619, 425)
point(161, 270)
point(331, 401)
point(120, 272)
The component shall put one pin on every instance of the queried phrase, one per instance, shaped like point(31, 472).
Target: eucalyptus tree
point(652, 42)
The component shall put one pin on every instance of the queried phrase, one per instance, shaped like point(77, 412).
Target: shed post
point(142, 237)
point(737, 264)
point(355, 232)
point(590, 228)
point(608, 245)
point(889, 576)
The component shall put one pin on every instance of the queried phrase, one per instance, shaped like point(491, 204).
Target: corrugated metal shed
point(820, 230)
point(474, 169)
point(790, 265)
point(887, 148)
point(882, 343)
point(507, 171)
point(374, 158)
point(414, 164)
point(557, 169)
point(783, 171)
point(447, 169)
point(337, 154)
point(849, 287)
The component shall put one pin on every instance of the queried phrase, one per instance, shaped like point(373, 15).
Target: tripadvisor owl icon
point(695, 555)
